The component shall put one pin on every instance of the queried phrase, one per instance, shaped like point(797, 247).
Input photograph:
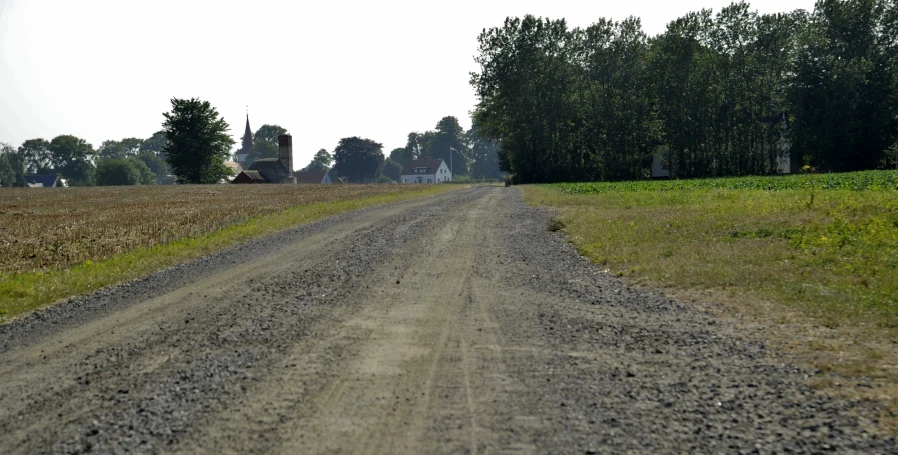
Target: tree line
point(130, 161)
point(194, 145)
point(732, 93)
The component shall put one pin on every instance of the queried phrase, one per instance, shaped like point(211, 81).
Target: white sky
point(106, 69)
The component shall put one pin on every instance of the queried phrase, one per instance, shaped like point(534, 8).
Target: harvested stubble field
point(53, 241)
point(57, 228)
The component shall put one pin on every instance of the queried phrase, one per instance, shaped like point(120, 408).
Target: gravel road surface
point(452, 324)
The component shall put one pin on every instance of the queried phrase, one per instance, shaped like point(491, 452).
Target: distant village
point(281, 169)
point(71, 161)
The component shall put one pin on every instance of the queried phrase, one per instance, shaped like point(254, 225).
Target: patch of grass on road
point(24, 291)
point(826, 257)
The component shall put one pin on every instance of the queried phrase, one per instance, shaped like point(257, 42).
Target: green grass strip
point(25, 292)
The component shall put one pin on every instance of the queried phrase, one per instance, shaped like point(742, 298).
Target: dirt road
point(453, 324)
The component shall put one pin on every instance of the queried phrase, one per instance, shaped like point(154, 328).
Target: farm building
point(425, 171)
point(321, 177)
point(45, 181)
point(271, 170)
point(249, 176)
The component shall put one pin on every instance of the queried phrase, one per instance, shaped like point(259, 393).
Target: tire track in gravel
point(456, 324)
point(382, 359)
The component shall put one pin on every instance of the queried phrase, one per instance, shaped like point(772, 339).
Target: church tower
point(247, 143)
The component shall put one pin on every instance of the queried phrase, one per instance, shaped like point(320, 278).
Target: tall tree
point(361, 160)
point(112, 150)
point(7, 175)
point(392, 170)
point(448, 142)
point(269, 133)
point(399, 155)
point(36, 155)
point(132, 146)
point(321, 162)
point(155, 163)
point(154, 143)
point(843, 95)
point(124, 171)
point(11, 166)
point(484, 156)
point(415, 146)
point(527, 98)
point(197, 141)
point(618, 121)
point(74, 159)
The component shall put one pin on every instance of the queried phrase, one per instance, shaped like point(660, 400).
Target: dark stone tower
point(285, 155)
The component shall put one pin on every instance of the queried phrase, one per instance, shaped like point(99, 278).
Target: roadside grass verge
point(815, 268)
point(22, 292)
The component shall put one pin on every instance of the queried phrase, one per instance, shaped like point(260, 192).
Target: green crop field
point(855, 181)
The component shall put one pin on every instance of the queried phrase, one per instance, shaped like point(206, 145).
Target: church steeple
point(247, 137)
point(247, 143)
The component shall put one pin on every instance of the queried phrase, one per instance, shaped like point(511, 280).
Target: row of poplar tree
point(720, 94)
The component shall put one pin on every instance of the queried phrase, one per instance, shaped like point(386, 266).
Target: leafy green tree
point(448, 142)
point(844, 90)
point(123, 171)
point(399, 155)
point(197, 141)
point(361, 160)
point(12, 166)
point(154, 143)
point(73, 158)
point(155, 163)
point(7, 171)
point(484, 156)
point(7, 175)
point(415, 146)
point(269, 134)
point(36, 155)
point(527, 89)
point(392, 170)
point(132, 146)
point(321, 162)
point(147, 176)
point(618, 129)
point(112, 150)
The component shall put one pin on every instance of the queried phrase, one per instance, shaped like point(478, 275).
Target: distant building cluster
point(280, 169)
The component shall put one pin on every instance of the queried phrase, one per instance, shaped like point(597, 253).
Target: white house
point(425, 171)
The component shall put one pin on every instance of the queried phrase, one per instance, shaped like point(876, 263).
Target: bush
point(124, 171)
